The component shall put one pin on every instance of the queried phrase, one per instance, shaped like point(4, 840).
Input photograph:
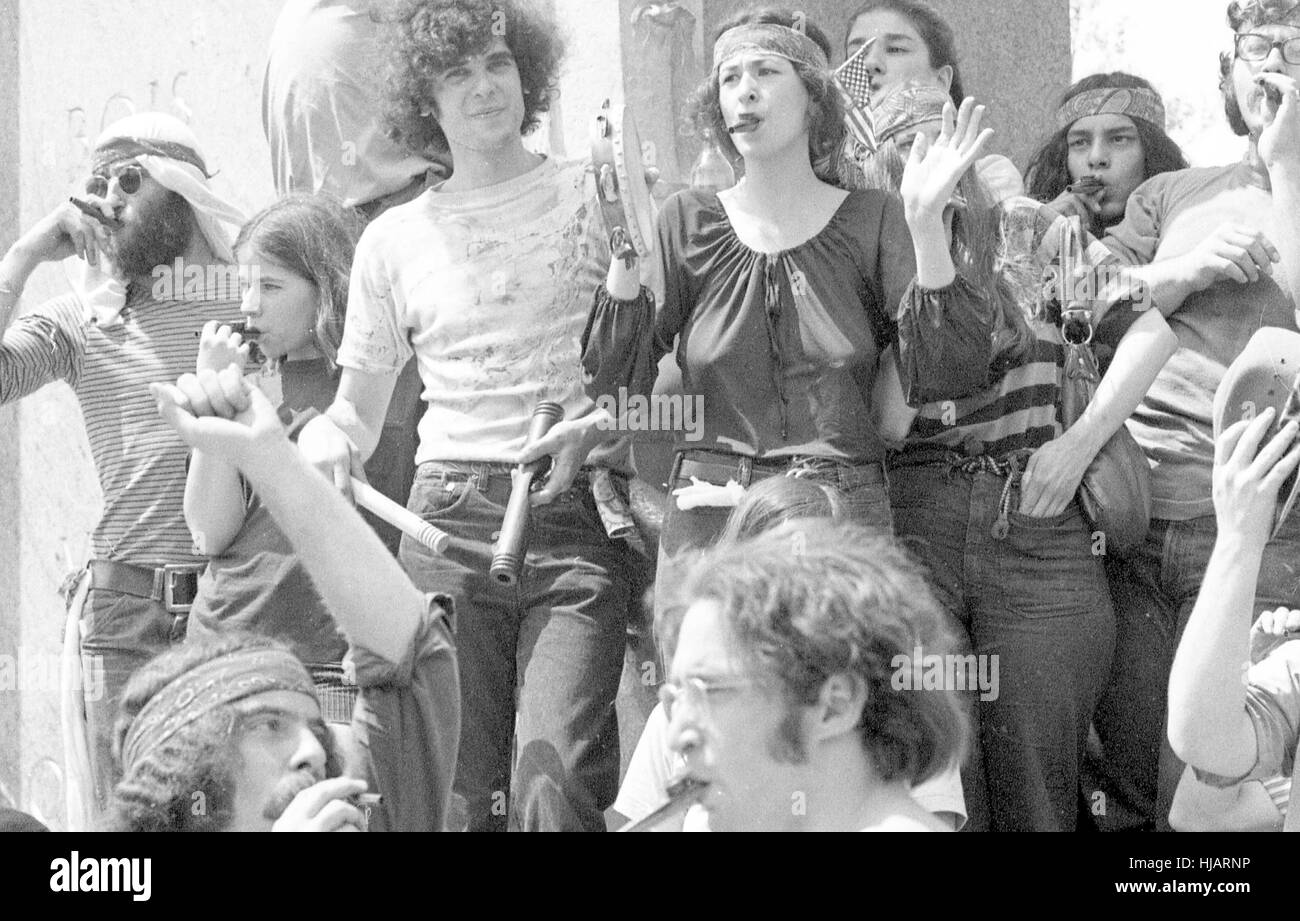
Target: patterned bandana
point(1134, 102)
point(907, 106)
point(203, 689)
point(768, 38)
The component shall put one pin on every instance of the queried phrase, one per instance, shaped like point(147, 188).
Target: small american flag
point(854, 82)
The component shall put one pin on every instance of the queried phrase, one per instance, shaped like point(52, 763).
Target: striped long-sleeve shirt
point(140, 461)
point(1021, 411)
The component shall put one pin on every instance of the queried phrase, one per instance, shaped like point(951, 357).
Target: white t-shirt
point(490, 289)
point(654, 764)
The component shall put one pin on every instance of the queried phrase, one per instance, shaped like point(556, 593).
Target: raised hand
point(324, 807)
point(1247, 478)
point(65, 232)
point(1279, 143)
point(219, 348)
point(219, 413)
point(934, 169)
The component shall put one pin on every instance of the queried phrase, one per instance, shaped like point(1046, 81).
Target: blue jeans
point(1037, 600)
point(540, 660)
point(1155, 587)
point(119, 633)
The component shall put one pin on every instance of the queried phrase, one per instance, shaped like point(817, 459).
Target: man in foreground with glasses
point(783, 698)
point(1220, 248)
point(127, 323)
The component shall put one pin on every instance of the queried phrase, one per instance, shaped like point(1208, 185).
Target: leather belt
point(174, 586)
point(718, 467)
point(492, 480)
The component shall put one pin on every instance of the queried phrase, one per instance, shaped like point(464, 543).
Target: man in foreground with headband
point(1223, 247)
point(130, 321)
point(227, 734)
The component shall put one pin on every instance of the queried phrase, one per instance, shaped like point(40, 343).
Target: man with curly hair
point(1223, 247)
point(487, 279)
point(226, 734)
point(785, 698)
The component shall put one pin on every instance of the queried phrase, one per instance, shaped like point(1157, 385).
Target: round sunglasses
point(129, 179)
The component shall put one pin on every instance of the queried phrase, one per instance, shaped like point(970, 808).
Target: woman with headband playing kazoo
point(781, 295)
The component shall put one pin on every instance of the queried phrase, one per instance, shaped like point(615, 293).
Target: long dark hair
point(314, 237)
point(933, 29)
point(1048, 173)
point(826, 131)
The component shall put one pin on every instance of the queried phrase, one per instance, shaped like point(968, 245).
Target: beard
point(159, 234)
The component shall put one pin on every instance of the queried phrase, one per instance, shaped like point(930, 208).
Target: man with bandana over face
point(131, 320)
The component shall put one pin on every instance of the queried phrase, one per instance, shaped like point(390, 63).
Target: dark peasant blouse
point(784, 347)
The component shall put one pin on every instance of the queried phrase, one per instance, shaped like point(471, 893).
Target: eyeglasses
point(128, 179)
point(695, 692)
point(1255, 47)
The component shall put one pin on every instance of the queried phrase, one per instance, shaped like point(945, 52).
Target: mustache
point(285, 791)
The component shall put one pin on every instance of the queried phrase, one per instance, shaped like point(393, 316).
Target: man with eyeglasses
point(1220, 248)
point(149, 212)
point(784, 698)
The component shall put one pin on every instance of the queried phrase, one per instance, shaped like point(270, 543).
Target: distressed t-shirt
point(489, 289)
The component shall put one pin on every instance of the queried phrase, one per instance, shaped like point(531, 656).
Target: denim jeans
point(1155, 587)
point(540, 659)
point(1037, 600)
point(686, 535)
point(119, 633)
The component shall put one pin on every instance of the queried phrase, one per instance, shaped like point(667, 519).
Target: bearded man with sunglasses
point(1220, 248)
point(108, 340)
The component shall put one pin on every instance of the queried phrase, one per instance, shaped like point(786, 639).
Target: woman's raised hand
point(934, 168)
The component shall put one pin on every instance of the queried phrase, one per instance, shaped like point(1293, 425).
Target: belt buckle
point(169, 574)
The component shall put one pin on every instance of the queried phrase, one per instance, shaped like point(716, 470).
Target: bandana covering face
point(1134, 102)
point(906, 107)
point(169, 152)
point(768, 38)
point(201, 690)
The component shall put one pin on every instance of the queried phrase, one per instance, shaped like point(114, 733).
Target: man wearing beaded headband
point(108, 340)
point(227, 733)
point(1220, 249)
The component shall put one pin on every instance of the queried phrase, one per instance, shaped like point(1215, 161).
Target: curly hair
point(704, 118)
point(315, 237)
point(1245, 15)
point(933, 29)
point(814, 599)
point(187, 783)
point(425, 37)
point(1048, 172)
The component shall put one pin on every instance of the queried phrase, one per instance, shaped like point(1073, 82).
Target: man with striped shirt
point(155, 269)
